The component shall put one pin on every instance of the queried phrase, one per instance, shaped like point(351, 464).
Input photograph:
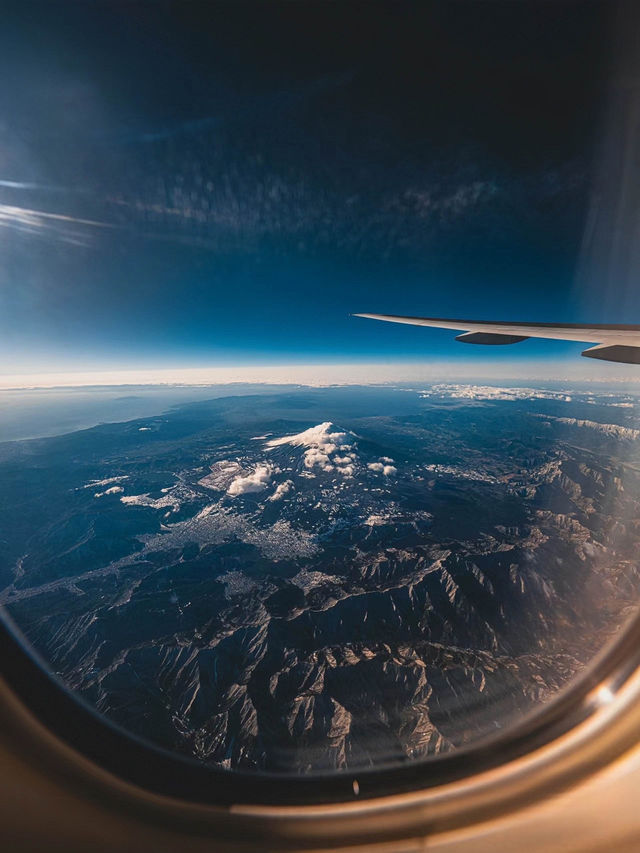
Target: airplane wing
point(612, 343)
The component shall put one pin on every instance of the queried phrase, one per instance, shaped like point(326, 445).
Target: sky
point(189, 185)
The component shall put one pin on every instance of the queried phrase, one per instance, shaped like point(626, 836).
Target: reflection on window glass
point(238, 521)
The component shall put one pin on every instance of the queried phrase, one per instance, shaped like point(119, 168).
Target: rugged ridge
point(417, 584)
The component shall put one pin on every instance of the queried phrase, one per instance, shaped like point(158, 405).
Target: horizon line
point(330, 373)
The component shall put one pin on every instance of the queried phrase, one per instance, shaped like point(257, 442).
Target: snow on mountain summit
point(321, 441)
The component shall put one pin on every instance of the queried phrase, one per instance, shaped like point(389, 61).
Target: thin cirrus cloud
point(43, 222)
point(25, 185)
point(238, 210)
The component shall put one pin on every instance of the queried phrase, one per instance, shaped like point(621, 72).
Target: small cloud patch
point(114, 490)
point(92, 484)
point(281, 490)
point(256, 481)
point(379, 468)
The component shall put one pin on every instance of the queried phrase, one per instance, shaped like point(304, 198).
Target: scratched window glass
point(301, 467)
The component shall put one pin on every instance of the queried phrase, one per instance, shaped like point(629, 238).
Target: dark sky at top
point(226, 182)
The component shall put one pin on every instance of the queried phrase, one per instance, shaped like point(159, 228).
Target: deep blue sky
point(226, 183)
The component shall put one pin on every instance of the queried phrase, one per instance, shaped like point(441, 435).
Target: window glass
point(240, 522)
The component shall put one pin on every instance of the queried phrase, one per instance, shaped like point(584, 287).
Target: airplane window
point(241, 523)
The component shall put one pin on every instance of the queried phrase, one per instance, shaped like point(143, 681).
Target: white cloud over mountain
point(256, 481)
point(381, 468)
point(321, 441)
point(281, 490)
point(113, 490)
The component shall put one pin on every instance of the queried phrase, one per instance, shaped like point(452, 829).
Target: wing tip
point(372, 316)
